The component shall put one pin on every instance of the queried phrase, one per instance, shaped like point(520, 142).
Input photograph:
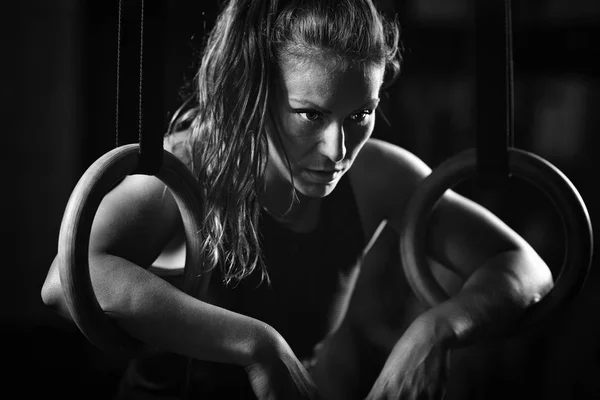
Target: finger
point(308, 387)
point(439, 391)
point(442, 375)
point(369, 396)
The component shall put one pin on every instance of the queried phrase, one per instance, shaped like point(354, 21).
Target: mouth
point(322, 175)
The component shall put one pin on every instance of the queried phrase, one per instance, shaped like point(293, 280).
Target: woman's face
point(325, 113)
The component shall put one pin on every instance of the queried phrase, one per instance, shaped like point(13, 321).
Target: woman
point(302, 213)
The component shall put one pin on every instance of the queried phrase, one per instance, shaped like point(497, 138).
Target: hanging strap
point(139, 107)
point(495, 87)
point(140, 80)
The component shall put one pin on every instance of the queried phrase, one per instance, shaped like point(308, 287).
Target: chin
point(314, 190)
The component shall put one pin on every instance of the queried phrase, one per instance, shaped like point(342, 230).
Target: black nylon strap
point(494, 82)
point(140, 77)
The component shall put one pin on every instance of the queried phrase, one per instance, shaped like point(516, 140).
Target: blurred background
point(59, 99)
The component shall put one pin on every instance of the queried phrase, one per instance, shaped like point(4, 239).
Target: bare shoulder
point(387, 158)
point(384, 176)
point(139, 217)
point(178, 144)
point(144, 198)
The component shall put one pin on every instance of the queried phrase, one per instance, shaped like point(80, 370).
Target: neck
point(293, 210)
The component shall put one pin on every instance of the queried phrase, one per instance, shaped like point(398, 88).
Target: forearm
point(162, 316)
point(492, 299)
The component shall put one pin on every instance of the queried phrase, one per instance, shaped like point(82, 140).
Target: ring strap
point(140, 80)
point(494, 87)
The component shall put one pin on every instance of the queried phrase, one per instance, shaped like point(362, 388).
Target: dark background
point(59, 104)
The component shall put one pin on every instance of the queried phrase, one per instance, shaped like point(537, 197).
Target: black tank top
point(309, 274)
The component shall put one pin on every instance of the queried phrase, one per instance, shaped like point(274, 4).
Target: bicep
point(135, 220)
point(463, 235)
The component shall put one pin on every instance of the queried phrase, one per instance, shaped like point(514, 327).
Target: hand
point(335, 367)
point(416, 369)
point(277, 374)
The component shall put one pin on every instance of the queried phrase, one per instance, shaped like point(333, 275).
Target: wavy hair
point(233, 88)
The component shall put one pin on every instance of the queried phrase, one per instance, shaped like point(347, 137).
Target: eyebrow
point(372, 103)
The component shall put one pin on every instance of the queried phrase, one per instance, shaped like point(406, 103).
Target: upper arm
point(136, 220)
point(139, 217)
point(462, 234)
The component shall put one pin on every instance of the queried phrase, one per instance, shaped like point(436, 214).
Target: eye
point(360, 116)
point(309, 115)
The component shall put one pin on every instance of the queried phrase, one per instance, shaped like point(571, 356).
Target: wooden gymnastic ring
point(535, 170)
point(74, 236)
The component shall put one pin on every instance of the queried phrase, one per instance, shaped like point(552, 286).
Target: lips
point(322, 176)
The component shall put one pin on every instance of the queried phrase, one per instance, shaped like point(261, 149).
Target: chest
point(311, 278)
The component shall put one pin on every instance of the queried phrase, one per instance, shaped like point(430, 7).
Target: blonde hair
point(233, 90)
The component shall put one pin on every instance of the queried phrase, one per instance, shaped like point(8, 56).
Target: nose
point(333, 143)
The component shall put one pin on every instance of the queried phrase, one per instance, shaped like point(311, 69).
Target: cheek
point(356, 137)
point(299, 140)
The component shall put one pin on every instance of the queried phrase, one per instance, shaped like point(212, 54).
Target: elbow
point(546, 283)
point(52, 293)
point(536, 280)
